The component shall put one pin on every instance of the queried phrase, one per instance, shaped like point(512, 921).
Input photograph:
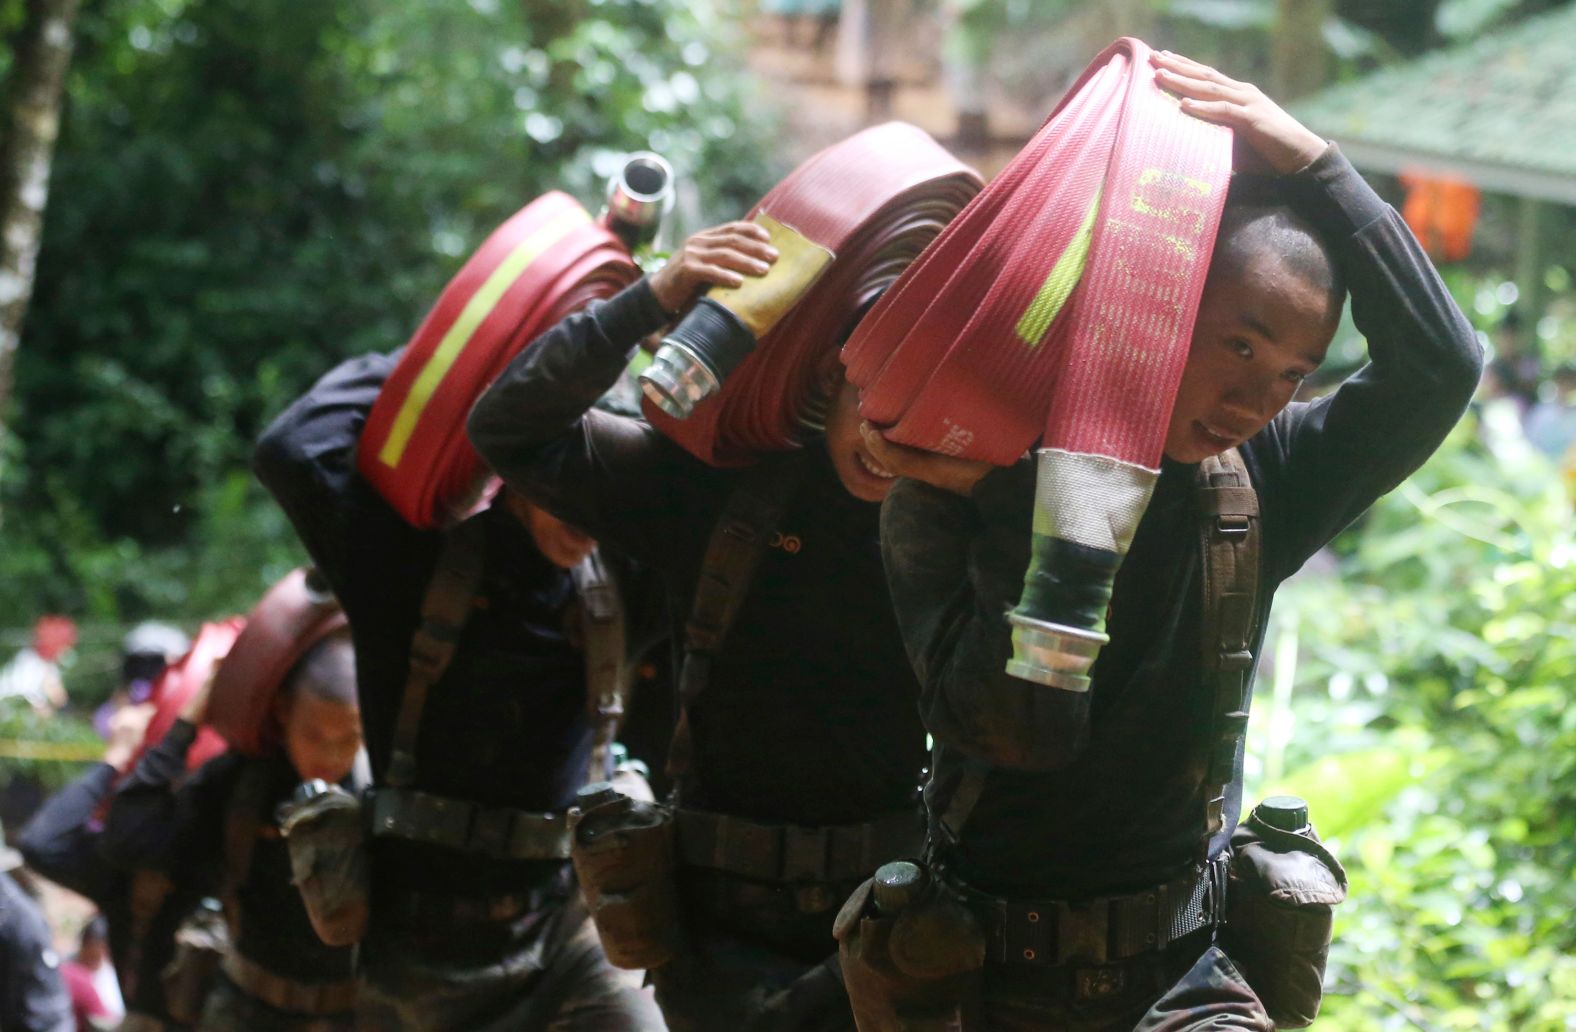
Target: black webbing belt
point(1098, 931)
point(499, 832)
point(794, 853)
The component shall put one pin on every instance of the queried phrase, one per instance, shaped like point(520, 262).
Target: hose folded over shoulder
point(548, 260)
point(1058, 308)
point(867, 206)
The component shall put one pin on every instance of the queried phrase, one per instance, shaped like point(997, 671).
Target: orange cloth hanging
point(1442, 212)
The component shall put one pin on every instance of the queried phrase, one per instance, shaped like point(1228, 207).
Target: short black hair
point(1259, 222)
point(327, 671)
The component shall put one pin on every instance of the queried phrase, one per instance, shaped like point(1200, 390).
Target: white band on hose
point(1090, 500)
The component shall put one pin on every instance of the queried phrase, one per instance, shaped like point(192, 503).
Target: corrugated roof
point(1500, 111)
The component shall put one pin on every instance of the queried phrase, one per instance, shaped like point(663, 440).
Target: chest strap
point(609, 675)
point(1229, 539)
point(447, 606)
point(496, 832)
point(737, 542)
point(794, 853)
point(244, 824)
point(444, 610)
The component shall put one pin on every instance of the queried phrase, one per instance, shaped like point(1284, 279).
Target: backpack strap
point(1228, 507)
point(608, 672)
point(444, 611)
point(738, 540)
point(1229, 540)
point(243, 824)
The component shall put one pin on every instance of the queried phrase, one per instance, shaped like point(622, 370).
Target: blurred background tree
point(248, 190)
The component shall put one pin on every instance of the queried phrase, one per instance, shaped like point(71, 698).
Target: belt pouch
point(200, 945)
point(327, 837)
point(624, 856)
point(912, 955)
point(1283, 886)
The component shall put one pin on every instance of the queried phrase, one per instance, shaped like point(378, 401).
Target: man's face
point(864, 477)
point(563, 545)
point(321, 735)
point(1258, 335)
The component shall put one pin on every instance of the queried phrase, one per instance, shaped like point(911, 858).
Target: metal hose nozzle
point(638, 197)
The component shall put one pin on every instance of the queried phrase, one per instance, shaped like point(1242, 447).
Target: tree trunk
point(33, 101)
point(1299, 60)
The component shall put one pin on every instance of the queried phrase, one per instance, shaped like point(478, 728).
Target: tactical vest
point(1227, 507)
point(401, 811)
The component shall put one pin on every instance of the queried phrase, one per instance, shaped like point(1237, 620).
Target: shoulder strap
point(1229, 545)
point(737, 543)
point(243, 822)
point(444, 611)
point(1229, 533)
point(608, 673)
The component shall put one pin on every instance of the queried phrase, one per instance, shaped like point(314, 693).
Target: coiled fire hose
point(548, 260)
point(1059, 307)
point(846, 222)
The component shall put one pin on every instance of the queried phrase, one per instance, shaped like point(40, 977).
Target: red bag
point(290, 618)
point(549, 260)
point(180, 682)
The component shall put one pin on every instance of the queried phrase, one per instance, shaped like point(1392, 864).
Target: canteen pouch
point(1282, 888)
point(623, 850)
point(201, 942)
point(326, 834)
point(912, 967)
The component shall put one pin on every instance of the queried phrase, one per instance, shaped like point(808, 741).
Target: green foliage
point(49, 750)
point(246, 191)
point(1438, 666)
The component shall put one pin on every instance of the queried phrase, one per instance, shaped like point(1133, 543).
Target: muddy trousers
point(723, 984)
point(1191, 988)
point(560, 982)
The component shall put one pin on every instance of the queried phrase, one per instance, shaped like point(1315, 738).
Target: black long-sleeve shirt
point(506, 724)
point(180, 825)
point(809, 715)
point(1104, 792)
point(61, 841)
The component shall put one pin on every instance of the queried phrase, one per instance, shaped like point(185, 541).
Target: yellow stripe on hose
point(1037, 318)
point(476, 310)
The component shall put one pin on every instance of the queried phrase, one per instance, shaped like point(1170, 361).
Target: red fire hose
point(1081, 262)
point(290, 618)
point(549, 260)
point(874, 200)
point(1059, 307)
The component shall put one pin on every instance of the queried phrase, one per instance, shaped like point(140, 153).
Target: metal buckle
point(1231, 526)
point(1236, 659)
point(1083, 931)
